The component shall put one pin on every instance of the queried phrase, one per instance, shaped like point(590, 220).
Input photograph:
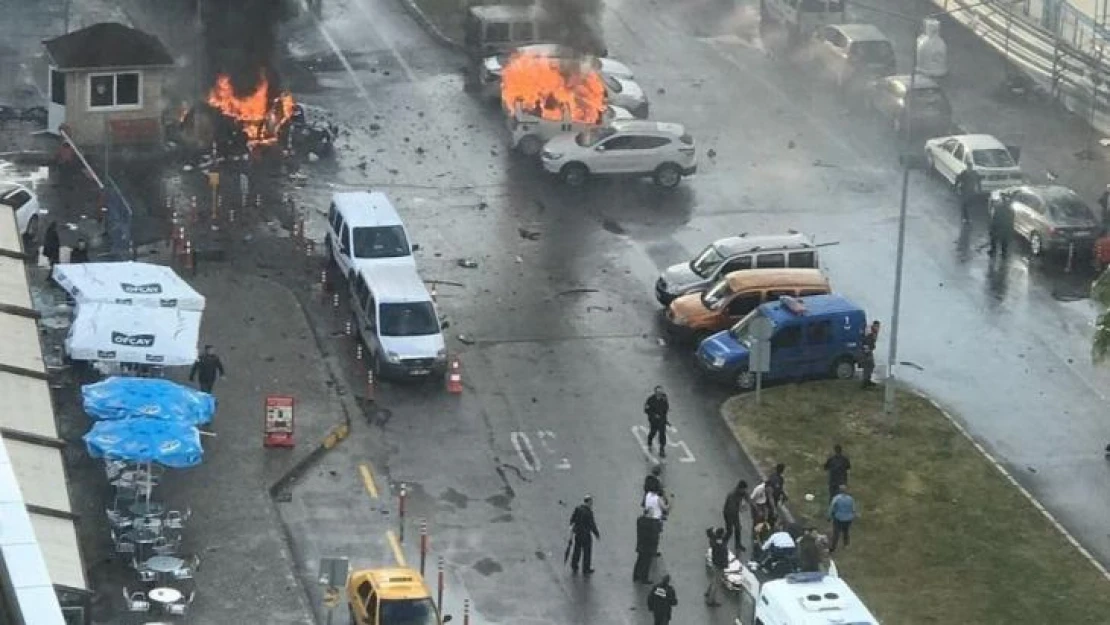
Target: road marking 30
point(640, 433)
point(395, 545)
point(368, 479)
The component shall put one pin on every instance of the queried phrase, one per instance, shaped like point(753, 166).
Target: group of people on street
point(52, 247)
point(777, 547)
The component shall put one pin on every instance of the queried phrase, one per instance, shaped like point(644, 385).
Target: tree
point(1100, 293)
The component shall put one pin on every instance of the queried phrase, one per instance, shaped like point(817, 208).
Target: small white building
point(106, 83)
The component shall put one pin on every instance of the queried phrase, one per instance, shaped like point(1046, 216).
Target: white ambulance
point(800, 599)
point(530, 130)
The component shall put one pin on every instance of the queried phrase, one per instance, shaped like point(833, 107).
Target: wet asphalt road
point(564, 328)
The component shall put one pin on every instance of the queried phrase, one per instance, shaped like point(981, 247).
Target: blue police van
point(814, 336)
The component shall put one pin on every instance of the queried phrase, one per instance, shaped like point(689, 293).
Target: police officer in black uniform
point(661, 600)
point(870, 339)
point(656, 408)
point(584, 528)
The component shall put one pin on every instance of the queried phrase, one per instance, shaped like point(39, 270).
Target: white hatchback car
point(625, 148)
point(25, 204)
point(987, 156)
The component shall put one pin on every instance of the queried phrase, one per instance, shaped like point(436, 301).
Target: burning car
point(492, 66)
point(544, 96)
point(530, 129)
point(311, 131)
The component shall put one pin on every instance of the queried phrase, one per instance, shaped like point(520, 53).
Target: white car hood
point(680, 276)
point(426, 346)
point(564, 144)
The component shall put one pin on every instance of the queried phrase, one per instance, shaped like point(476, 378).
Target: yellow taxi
point(391, 596)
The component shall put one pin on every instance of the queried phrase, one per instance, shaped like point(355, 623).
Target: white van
point(802, 599)
point(364, 230)
point(397, 322)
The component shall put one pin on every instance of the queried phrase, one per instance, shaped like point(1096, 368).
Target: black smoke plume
point(240, 39)
point(575, 23)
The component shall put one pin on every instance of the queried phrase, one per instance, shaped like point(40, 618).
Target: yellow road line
point(368, 480)
point(396, 547)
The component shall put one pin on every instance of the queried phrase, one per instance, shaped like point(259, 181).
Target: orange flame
point(260, 117)
point(544, 86)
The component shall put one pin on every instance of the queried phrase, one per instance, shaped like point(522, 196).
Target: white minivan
point(397, 322)
point(365, 230)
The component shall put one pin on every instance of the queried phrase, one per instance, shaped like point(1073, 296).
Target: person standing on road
point(207, 369)
point(776, 491)
point(1104, 202)
point(733, 502)
point(652, 483)
point(51, 244)
point(1002, 226)
point(80, 253)
point(661, 600)
point(647, 546)
point(968, 184)
point(718, 556)
point(837, 466)
point(584, 529)
point(842, 511)
point(656, 506)
point(759, 500)
point(870, 341)
point(656, 408)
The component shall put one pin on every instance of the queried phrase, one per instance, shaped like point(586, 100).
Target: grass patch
point(447, 15)
point(941, 536)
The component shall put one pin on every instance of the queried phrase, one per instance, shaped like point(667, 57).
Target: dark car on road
point(1049, 217)
point(929, 109)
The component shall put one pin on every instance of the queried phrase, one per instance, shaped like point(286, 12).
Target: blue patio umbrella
point(144, 440)
point(154, 398)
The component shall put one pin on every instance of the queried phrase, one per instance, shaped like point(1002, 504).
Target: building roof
point(39, 549)
point(107, 45)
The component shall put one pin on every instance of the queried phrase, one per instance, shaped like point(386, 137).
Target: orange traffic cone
point(454, 377)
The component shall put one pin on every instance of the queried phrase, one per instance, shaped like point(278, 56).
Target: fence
point(1067, 62)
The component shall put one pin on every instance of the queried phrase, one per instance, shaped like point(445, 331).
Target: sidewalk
point(264, 340)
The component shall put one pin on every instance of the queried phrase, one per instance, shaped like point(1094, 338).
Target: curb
point(421, 18)
point(1013, 481)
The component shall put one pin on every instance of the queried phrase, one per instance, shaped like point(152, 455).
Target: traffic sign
point(760, 329)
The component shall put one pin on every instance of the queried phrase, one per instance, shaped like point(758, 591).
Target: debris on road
point(711, 153)
point(375, 127)
point(468, 263)
point(577, 291)
point(531, 235)
point(482, 206)
point(599, 308)
point(465, 340)
point(790, 145)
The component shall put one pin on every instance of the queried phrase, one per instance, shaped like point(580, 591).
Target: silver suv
point(734, 254)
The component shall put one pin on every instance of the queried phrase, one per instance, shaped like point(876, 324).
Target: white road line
point(524, 449)
point(343, 59)
point(544, 436)
point(370, 19)
point(688, 456)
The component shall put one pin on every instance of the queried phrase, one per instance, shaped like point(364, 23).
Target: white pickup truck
point(530, 130)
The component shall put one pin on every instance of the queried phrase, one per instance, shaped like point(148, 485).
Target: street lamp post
point(889, 385)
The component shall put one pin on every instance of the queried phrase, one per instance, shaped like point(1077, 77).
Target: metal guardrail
point(1057, 67)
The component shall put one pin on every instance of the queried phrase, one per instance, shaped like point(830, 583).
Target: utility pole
point(66, 32)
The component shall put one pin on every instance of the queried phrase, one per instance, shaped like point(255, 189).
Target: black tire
point(32, 233)
point(745, 380)
point(530, 145)
point(843, 369)
point(668, 175)
point(574, 174)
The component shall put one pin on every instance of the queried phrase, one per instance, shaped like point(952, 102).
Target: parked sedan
point(851, 53)
point(930, 111)
point(995, 163)
point(1049, 217)
point(25, 204)
point(623, 148)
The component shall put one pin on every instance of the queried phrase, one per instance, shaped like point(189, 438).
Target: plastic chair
point(117, 520)
point(136, 601)
point(164, 547)
point(185, 572)
point(179, 608)
point(147, 576)
point(175, 520)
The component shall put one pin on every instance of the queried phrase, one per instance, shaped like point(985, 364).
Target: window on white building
point(119, 90)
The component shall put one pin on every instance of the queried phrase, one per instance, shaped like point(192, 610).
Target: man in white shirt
point(779, 548)
point(656, 507)
point(759, 500)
